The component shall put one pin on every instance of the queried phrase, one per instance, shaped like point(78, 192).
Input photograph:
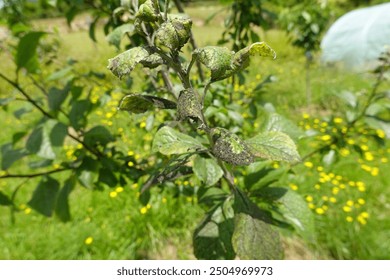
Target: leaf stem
point(32, 175)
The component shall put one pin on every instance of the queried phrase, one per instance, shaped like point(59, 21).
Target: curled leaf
point(148, 11)
point(125, 62)
point(174, 33)
point(217, 59)
point(230, 148)
point(241, 59)
point(224, 63)
point(188, 105)
point(137, 103)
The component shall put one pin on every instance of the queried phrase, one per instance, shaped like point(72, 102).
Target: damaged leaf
point(174, 33)
point(230, 148)
point(188, 105)
point(274, 145)
point(137, 103)
point(217, 59)
point(125, 62)
point(148, 11)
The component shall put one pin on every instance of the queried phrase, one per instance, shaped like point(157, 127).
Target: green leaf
point(207, 170)
point(62, 207)
point(230, 148)
point(9, 155)
point(189, 106)
point(44, 196)
point(78, 113)
point(260, 175)
point(42, 139)
point(115, 37)
point(125, 62)
point(293, 208)
point(57, 96)
point(276, 122)
point(92, 27)
point(4, 200)
point(174, 33)
point(211, 195)
point(87, 172)
point(274, 145)
point(168, 141)
point(98, 135)
point(60, 74)
point(254, 239)
point(137, 103)
point(26, 56)
point(377, 123)
point(217, 59)
point(212, 237)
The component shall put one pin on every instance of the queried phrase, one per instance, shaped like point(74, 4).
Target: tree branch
point(32, 175)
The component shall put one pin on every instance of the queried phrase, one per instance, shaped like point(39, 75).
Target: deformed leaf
point(212, 237)
point(217, 59)
point(125, 62)
point(148, 11)
point(254, 239)
point(230, 148)
point(44, 196)
point(207, 170)
point(188, 105)
point(241, 59)
point(174, 33)
point(137, 103)
point(224, 63)
point(169, 141)
point(273, 145)
point(115, 37)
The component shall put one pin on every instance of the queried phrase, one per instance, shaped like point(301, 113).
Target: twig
point(32, 175)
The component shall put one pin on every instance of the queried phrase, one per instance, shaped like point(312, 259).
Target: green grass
point(116, 225)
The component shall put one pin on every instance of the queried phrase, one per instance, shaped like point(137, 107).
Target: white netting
point(358, 37)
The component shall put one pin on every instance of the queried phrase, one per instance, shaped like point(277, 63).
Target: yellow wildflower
point(320, 211)
point(305, 115)
point(349, 219)
point(380, 133)
point(113, 194)
point(143, 210)
point(311, 206)
point(368, 156)
point(326, 137)
point(351, 141)
point(338, 120)
point(347, 209)
point(361, 201)
point(88, 240)
point(333, 199)
point(349, 203)
point(309, 198)
point(375, 171)
point(308, 164)
point(119, 189)
point(142, 125)
point(293, 187)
